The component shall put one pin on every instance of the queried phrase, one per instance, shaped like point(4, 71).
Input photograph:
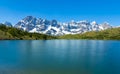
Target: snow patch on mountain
point(38, 25)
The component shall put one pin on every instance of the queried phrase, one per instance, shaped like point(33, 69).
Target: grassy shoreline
point(11, 33)
point(109, 34)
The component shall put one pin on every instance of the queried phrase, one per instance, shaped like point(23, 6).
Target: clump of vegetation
point(14, 33)
point(109, 34)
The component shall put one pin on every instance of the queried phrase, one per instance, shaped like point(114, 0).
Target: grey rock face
point(32, 24)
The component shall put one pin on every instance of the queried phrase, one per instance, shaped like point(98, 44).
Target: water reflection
point(92, 56)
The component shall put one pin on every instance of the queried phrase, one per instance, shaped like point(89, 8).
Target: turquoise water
point(59, 57)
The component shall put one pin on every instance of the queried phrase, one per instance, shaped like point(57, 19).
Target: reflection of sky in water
point(88, 55)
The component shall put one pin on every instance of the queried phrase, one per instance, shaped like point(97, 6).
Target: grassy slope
point(13, 33)
point(3, 35)
point(110, 34)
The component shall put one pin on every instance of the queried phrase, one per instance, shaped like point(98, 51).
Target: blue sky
point(61, 10)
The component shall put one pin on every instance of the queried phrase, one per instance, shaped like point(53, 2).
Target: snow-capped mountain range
point(39, 25)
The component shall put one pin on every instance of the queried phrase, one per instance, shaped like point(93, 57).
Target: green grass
point(109, 34)
point(14, 33)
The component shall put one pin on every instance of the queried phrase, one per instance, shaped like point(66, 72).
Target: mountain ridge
point(53, 27)
point(13, 33)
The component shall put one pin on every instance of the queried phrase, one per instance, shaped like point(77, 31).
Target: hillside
point(109, 34)
point(14, 33)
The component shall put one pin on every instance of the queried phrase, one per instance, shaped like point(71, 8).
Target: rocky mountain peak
point(39, 25)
